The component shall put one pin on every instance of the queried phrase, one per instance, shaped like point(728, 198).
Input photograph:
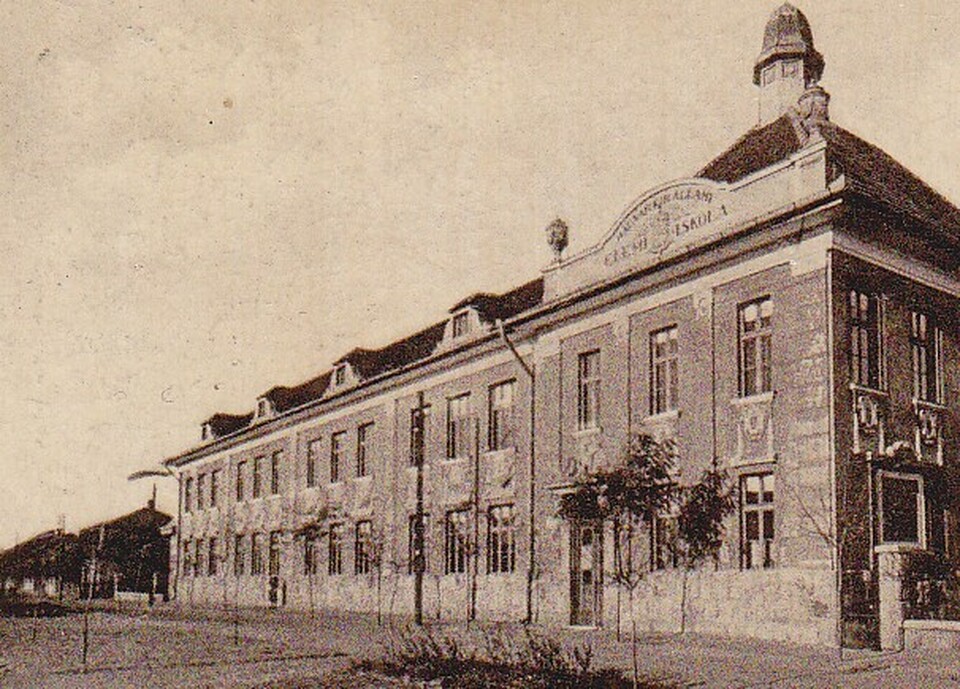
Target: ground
point(170, 647)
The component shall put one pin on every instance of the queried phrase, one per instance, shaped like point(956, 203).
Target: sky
point(199, 201)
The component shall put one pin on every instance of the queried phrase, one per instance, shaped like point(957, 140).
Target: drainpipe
point(532, 497)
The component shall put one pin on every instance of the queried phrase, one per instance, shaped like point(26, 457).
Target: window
point(458, 427)
point(340, 375)
point(201, 488)
point(412, 543)
point(309, 555)
point(335, 550)
point(901, 509)
point(418, 434)
point(313, 453)
point(212, 557)
point(663, 370)
point(501, 542)
point(461, 324)
point(257, 477)
point(273, 561)
point(239, 555)
point(256, 554)
point(500, 424)
point(769, 74)
point(755, 347)
point(362, 548)
point(187, 565)
point(455, 541)
point(363, 433)
point(866, 352)
point(336, 450)
point(756, 508)
point(262, 408)
point(664, 551)
point(241, 470)
point(925, 344)
point(215, 487)
point(188, 495)
point(275, 472)
point(588, 390)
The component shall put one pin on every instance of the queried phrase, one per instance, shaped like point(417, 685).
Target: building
point(44, 565)
point(789, 313)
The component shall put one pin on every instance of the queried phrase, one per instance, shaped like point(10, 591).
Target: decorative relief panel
point(499, 468)
point(869, 422)
point(929, 431)
point(360, 503)
point(754, 429)
point(584, 454)
point(661, 427)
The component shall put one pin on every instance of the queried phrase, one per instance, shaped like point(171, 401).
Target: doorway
point(586, 573)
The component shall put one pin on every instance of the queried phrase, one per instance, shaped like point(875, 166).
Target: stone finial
point(558, 236)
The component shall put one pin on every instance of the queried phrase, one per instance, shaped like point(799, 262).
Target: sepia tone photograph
point(547, 343)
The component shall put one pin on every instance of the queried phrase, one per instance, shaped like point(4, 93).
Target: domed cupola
point(788, 63)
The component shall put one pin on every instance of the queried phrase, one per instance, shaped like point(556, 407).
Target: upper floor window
point(757, 521)
point(201, 489)
point(275, 472)
point(257, 477)
point(866, 344)
point(313, 453)
point(418, 434)
point(663, 370)
point(188, 494)
point(363, 437)
point(363, 548)
point(458, 426)
point(241, 470)
point(215, 487)
point(588, 390)
point(926, 344)
point(461, 324)
point(455, 542)
point(755, 346)
point(501, 540)
point(336, 452)
point(500, 421)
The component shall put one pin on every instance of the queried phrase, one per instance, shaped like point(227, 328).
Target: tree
point(629, 495)
point(704, 507)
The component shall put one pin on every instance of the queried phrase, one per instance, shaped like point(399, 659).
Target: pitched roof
point(285, 398)
point(869, 170)
point(225, 424)
point(494, 306)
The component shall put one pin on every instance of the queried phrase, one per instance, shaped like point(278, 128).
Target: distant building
point(789, 314)
point(126, 554)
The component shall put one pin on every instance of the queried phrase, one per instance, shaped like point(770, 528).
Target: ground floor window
point(256, 554)
point(362, 543)
point(412, 544)
point(187, 565)
point(309, 555)
point(900, 498)
point(239, 555)
point(212, 556)
point(501, 540)
point(335, 550)
point(756, 521)
point(664, 545)
point(455, 541)
point(273, 563)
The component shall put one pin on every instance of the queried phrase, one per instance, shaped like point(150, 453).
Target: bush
point(498, 659)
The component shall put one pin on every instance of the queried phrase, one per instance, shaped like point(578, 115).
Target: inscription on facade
point(666, 219)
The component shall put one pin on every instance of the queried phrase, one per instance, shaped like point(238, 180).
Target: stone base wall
point(793, 604)
point(931, 635)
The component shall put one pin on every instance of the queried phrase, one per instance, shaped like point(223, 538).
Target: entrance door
point(586, 573)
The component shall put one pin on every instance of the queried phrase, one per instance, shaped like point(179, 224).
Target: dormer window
point(340, 375)
point(206, 432)
point(461, 324)
point(264, 408)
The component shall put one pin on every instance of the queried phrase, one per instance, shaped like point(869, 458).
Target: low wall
point(931, 635)
point(778, 604)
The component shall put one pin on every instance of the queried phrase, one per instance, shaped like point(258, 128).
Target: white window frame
point(921, 541)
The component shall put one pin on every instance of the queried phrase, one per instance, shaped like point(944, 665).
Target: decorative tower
point(788, 65)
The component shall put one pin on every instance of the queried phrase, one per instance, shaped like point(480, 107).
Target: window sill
point(587, 432)
point(758, 398)
point(363, 479)
point(499, 453)
point(927, 404)
point(876, 392)
point(669, 415)
point(897, 548)
point(454, 460)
